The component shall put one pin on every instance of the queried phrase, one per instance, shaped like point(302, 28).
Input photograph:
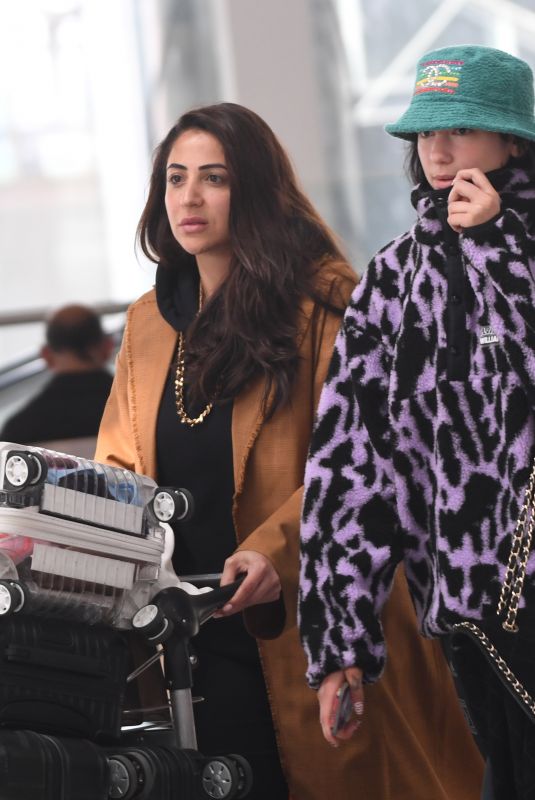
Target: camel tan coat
point(414, 743)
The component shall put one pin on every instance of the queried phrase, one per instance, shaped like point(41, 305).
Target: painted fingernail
point(355, 683)
point(359, 707)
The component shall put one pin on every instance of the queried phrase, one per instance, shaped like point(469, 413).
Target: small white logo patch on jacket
point(487, 335)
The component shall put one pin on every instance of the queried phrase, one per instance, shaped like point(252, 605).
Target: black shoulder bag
point(507, 640)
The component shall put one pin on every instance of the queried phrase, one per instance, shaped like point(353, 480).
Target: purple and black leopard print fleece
point(407, 463)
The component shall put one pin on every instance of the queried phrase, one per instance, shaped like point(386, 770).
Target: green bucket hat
point(469, 86)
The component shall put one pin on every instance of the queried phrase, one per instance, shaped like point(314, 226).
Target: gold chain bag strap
point(499, 639)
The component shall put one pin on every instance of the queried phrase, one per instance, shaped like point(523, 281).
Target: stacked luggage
point(81, 554)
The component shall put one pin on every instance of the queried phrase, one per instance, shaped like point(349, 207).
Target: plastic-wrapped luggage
point(82, 539)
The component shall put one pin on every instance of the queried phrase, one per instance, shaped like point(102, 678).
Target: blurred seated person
point(71, 403)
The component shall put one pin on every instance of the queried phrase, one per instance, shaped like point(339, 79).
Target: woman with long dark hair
point(217, 381)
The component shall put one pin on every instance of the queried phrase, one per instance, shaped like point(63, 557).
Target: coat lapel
point(247, 420)
point(151, 351)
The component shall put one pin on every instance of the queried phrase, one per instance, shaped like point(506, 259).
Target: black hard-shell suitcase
point(61, 677)
point(34, 766)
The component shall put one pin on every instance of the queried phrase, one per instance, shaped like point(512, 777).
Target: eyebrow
point(204, 166)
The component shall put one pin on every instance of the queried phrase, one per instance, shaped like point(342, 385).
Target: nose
point(191, 195)
point(440, 151)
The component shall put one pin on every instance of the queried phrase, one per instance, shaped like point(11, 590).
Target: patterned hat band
point(472, 87)
point(438, 75)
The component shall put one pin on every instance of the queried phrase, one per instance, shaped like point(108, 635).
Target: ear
point(48, 356)
point(106, 348)
point(518, 147)
point(109, 346)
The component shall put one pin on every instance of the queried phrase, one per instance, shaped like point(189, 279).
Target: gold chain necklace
point(179, 381)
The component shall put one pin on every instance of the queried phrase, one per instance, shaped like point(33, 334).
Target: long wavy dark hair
point(249, 325)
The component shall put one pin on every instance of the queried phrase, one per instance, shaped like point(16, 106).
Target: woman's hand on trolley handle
point(260, 585)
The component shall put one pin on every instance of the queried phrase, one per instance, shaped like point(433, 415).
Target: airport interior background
point(89, 87)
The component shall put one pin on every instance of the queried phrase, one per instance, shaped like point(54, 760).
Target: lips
point(193, 224)
point(440, 181)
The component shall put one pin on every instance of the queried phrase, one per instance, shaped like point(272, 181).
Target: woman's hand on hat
point(261, 584)
point(472, 200)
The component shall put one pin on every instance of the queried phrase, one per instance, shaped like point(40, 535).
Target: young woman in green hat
point(425, 435)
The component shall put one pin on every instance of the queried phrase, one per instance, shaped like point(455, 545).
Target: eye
point(215, 178)
point(175, 179)
point(462, 131)
point(425, 134)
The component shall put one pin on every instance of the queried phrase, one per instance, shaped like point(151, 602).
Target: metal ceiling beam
point(370, 103)
point(373, 108)
point(520, 16)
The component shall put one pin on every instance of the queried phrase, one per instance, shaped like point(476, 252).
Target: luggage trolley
point(85, 558)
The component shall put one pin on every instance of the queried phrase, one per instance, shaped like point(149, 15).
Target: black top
point(70, 405)
point(196, 458)
point(199, 459)
point(235, 714)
